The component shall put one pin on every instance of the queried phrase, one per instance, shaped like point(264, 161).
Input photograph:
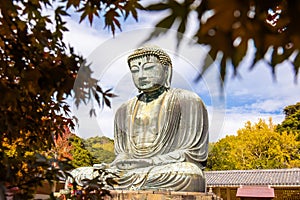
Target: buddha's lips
point(144, 82)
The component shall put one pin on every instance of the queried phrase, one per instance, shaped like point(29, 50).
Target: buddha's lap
point(182, 176)
point(180, 168)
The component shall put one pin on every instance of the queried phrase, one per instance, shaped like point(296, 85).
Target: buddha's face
point(148, 73)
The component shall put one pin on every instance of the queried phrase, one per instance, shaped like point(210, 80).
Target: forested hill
point(101, 148)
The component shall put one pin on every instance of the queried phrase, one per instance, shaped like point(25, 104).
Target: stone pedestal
point(159, 195)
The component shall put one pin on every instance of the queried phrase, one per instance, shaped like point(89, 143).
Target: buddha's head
point(151, 68)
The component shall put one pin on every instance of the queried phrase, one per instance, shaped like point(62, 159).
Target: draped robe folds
point(179, 150)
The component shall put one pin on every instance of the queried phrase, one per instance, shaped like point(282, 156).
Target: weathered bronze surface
point(161, 136)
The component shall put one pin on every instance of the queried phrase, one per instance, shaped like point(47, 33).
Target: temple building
point(284, 182)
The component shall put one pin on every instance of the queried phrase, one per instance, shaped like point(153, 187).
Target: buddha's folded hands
point(134, 163)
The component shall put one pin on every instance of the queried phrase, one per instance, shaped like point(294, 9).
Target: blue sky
point(252, 96)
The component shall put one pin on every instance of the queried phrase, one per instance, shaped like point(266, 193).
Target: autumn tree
point(80, 155)
point(37, 74)
point(256, 146)
point(101, 148)
point(230, 28)
point(62, 146)
point(291, 122)
point(220, 157)
point(70, 148)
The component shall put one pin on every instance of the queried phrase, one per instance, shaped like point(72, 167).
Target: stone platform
point(159, 195)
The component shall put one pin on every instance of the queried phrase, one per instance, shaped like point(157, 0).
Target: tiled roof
point(272, 177)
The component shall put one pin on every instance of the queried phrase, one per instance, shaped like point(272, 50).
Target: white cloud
point(235, 120)
point(83, 37)
point(268, 105)
point(256, 96)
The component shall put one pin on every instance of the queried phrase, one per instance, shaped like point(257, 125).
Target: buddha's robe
point(171, 131)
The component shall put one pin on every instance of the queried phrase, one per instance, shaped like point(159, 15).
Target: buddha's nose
point(142, 78)
point(141, 74)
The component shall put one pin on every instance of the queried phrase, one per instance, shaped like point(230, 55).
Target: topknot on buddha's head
point(156, 51)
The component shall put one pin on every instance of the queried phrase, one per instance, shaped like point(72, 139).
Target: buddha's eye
point(134, 69)
point(149, 66)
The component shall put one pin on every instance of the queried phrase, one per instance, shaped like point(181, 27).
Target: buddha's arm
point(190, 139)
point(120, 137)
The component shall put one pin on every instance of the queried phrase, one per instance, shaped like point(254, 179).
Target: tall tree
point(256, 146)
point(101, 148)
point(220, 156)
point(70, 148)
point(63, 147)
point(37, 73)
point(80, 155)
point(291, 122)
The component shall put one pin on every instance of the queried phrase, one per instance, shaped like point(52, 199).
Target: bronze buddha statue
point(161, 135)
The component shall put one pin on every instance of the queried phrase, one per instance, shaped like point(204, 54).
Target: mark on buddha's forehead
point(144, 59)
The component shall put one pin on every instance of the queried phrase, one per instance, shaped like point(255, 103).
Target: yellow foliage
point(256, 146)
point(108, 147)
point(28, 153)
point(105, 146)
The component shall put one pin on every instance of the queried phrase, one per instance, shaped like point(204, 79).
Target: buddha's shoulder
point(127, 104)
point(184, 94)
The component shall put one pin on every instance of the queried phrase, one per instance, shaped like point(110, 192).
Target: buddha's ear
point(168, 76)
